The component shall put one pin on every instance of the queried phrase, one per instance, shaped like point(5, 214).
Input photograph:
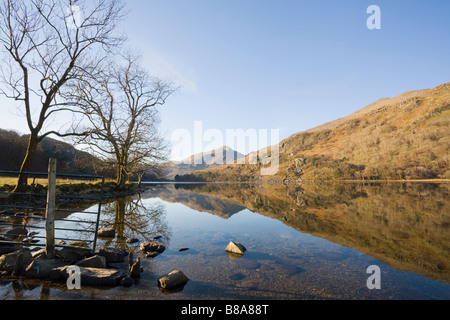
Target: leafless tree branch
point(122, 110)
point(44, 52)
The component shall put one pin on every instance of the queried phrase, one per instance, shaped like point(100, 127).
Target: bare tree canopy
point(122, 109)
point(47, 45)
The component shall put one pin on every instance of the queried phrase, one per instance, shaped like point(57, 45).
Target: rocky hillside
point(405, 137)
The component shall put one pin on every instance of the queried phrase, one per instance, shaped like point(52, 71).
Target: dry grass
point(44, 182)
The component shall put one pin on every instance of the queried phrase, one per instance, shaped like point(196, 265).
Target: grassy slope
point(405, 137)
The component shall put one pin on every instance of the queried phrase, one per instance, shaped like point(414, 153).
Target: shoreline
point(70, 194)
point(280, 181)
point(82, 193)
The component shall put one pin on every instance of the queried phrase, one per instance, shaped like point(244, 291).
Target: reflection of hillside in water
point(205, 203)
point(405, 225)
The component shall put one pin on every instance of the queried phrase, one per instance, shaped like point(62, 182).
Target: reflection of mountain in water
point(404, 225)
point(205, 203)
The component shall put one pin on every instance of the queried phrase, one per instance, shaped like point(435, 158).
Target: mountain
point(405, 137)
point(201, 161)
point(215, 205)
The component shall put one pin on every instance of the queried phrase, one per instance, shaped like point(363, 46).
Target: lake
point(314, 241)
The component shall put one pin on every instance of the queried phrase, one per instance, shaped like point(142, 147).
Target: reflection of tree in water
point(132, 219)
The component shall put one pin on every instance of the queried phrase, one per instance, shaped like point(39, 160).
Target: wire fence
point(24, 216)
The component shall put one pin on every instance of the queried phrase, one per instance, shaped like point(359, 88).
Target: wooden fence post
point(50, 211)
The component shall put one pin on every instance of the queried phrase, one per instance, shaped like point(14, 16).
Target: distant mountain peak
point(217, 156)
point(203, 160)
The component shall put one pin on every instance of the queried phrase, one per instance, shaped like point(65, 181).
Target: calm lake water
point(314, 241)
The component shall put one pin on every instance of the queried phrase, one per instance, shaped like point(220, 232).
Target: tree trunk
point(140, 175)
point(122, 166)
point(122, 176)
point(22, 182)
point(119, 221)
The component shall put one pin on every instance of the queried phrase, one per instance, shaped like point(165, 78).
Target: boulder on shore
point(94, 271)
point(95, 261)
point(113, 255)
point(91, 276)
point(40, 268)
point(15, 262)
point(70, 254)
point(8, 249)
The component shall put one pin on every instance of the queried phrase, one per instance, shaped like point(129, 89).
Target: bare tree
point(50, 44)
point(122, 108)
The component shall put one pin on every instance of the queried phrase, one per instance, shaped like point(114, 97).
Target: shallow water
point(309, 242)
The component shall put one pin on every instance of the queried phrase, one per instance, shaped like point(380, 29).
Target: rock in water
point(15, 262)
point(95, 261)
point(127, 282)
point(135, 269)
point(107, 233)
point(91, 276)
point(173, 279)
point(113, 255)
point(236, 248)
point(152, 248)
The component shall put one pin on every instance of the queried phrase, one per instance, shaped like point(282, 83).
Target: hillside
point(201, 161)
point(70, 160)
point(405, 137)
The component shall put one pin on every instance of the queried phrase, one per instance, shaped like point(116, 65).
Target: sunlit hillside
point(405, 137)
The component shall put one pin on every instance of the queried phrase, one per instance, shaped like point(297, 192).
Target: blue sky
point(288, 65)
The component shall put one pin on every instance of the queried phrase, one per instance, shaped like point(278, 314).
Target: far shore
point(80, 186)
